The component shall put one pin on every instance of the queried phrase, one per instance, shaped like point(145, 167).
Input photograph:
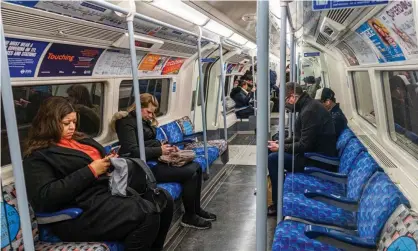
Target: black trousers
point(190, 176)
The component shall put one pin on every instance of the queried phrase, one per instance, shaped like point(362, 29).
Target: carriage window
point(87, 97)
point(160, 88)
point(401, 96)
point(363, 96)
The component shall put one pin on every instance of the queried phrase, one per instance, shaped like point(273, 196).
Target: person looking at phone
point(189, 175)
point(65, 168)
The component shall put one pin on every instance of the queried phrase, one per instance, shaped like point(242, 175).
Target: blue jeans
point(273, 166)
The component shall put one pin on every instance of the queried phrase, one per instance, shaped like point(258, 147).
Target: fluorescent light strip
point(238, 39)
point(182, 10)
point(218, 28)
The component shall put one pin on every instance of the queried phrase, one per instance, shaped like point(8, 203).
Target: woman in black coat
point(64, 169)
point(190, 175)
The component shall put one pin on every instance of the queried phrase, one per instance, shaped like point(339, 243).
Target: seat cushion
point(174, 189)
point(290, 236)
point(213, 153)
point(74, 246)
point(299, 182)
point(201, 161)
point(297, 205)
point(218, 143)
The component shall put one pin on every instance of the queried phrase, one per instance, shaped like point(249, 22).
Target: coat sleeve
point(309, 122)
point(50, 192)
point(127, 140)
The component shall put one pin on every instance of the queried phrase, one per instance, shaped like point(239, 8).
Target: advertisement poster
point(398, 17)
point(152, 64)
point(363, 51)
point(229, 68)
point(23, 56)
point(69, 60)
point(173, 65)
point(116, 62)
point(379, 35)
point(348, 53)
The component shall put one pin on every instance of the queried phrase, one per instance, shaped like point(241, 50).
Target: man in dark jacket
point(327, 97)
point(242, 98)
point(314, 132)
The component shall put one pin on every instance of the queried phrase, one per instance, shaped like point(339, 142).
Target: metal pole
point(14, 146)
point(222, 86)
point(202, 95)
point(291, 78)
point(116, 8)
point(262, 122)
point(129, 19)
point(282, 110)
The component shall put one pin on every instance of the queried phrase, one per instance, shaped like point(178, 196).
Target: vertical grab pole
point(283, 25)
point(262, 123)
point(222, 86)
point(292, 79)
point(255, 96)
point(14, 146)
point(130, 19)
point(202, 94)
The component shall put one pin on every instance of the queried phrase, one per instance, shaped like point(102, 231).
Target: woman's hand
point(166, 149)
point(100, 166)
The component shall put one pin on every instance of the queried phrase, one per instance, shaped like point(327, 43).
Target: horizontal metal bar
point(111, 6)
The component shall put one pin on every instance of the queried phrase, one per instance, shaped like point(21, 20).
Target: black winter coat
point(241, 98)
point(126, 129)
point(314, 132)
point(58, 178)
point(339, 119)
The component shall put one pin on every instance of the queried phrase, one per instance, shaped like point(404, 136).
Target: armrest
point(193, 135)
point(63, 215)
point(333, 199)
point(314, 232)
point(327, 175)
point(323, 158)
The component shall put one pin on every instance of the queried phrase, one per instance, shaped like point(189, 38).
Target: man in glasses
point(314, 132)
point(327, 97)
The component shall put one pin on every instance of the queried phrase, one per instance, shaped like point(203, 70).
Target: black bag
point(141, 182)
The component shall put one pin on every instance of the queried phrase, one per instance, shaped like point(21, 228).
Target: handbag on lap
point(179, 158)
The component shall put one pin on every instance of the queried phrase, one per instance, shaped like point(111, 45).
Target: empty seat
point(380, 199)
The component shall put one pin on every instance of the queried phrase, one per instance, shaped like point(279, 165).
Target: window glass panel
point(160, 88)
point(401, 96)
point(88, 99)
point(363, 96)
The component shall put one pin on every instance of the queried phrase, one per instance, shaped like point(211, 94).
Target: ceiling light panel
point(218, 28)
point(238, 39)
point(182, 10)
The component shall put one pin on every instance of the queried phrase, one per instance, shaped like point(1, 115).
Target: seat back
point(173, 132)
point(343, 140)
point(380, 199)
point(364, 167)
point(10, 216)
point(349, 155)
point(186, 125)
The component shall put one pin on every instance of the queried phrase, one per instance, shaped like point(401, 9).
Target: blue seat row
point(358, 200)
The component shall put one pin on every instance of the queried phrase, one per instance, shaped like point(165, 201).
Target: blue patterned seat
point(174, 189)
point(343, 140)
point(380, 199)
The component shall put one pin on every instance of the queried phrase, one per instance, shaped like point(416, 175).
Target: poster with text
point(152, 64)
point(363, 51)
point(23, 56)
point(398, 17)
point(173, 65)
point(379, 35)
point(69, 60)
point(116, 62)
point(230, 68)
point(348, 53)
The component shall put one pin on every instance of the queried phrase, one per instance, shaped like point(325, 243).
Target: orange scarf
point(73, 144)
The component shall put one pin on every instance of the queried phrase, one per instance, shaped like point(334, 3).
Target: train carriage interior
point(251, 89)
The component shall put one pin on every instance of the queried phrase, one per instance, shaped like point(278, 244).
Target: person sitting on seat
point(242, 99)
point(64, 169)
point(314, 132)
point(190, 175)
point(327, 97)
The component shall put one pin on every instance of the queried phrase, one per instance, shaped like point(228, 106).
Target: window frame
point(169, 90)
point(356, 105)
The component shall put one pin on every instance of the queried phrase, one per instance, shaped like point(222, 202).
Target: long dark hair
point(79, 94)
point(46, 129)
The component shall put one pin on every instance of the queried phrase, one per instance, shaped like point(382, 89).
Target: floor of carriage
point(233, 200)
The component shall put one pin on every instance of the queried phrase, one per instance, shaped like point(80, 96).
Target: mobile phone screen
point(115, 150)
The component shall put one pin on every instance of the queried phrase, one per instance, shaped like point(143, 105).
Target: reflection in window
point(363, 96)
point(401, 92)
point(87, 99)
point(160, 88)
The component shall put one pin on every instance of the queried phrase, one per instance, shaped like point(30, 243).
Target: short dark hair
point(241, 83)
point(310, 79)
point(292, 87)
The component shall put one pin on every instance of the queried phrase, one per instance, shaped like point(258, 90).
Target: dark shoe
point(205, 176)
point(195, 222)
point(272, 210)
point(206, 215)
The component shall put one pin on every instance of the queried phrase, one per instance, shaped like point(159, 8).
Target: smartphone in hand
point(115, 150)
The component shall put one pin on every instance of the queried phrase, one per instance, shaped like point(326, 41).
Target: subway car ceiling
point(355, 51)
